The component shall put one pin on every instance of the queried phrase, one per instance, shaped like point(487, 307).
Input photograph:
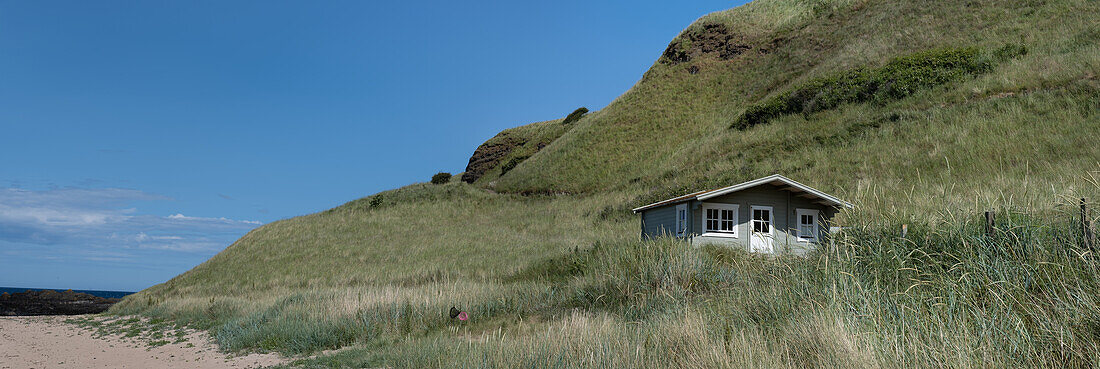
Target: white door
point(762, 230)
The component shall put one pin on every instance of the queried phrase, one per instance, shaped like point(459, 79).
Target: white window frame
point(707, 231)
point(817, 224)
point(771, 219)
point(681, 222)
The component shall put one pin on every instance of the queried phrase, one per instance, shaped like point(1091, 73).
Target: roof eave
point(662, 203)
point(738, 187)
point(776, 177)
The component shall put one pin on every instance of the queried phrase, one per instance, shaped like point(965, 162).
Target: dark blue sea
point(104, 294)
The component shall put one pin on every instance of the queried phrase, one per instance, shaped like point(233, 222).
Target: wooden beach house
point(774, 215)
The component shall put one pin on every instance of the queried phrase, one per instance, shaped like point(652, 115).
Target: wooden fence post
point(989, 216)
point(1087, 237)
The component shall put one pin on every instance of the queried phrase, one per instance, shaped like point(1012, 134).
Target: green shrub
point(575, 115)
point(901, 77)
point(441, 178)
point(511, 164)
point(376, 201)
point(1010, 51)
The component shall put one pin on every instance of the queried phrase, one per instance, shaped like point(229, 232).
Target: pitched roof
point(776, 179)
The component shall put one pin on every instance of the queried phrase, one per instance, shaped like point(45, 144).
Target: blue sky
point(139, 138)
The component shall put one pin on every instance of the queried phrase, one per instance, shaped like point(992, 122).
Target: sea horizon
point(100, 293)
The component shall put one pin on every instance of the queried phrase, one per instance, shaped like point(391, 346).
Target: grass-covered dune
point(945, 294)
point(922, 113)
point(673, 129)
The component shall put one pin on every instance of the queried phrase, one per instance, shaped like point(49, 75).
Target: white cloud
point(56, 217)
point(76, 197)
point(187, 246)
point(179, 216)
point(79, 220)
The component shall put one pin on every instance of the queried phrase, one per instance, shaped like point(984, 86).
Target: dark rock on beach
point(50, 302)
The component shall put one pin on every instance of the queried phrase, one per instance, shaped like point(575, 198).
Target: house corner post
point(788, 214)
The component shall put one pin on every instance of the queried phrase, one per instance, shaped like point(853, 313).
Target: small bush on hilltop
point(376, 201)
point(899, 78)
point(441, 178)
point(575, 115)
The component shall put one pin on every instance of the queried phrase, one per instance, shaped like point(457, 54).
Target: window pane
point(716, 219)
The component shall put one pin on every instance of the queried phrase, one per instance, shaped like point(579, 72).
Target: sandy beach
point(50, 342)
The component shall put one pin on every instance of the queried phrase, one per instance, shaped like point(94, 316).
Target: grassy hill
point(923, 113)
point(672, 129)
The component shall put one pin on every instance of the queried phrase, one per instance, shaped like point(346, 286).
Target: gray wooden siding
point(659, 221)
point(783, 204)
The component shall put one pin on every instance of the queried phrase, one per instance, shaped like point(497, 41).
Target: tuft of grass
point(152, 332)
point(288, 328)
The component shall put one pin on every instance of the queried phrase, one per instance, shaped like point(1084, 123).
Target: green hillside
point(923, 113)
point(672, 130)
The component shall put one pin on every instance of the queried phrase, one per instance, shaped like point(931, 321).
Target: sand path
point(49, 342)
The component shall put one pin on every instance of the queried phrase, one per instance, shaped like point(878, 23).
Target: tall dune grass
point(944, 295)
